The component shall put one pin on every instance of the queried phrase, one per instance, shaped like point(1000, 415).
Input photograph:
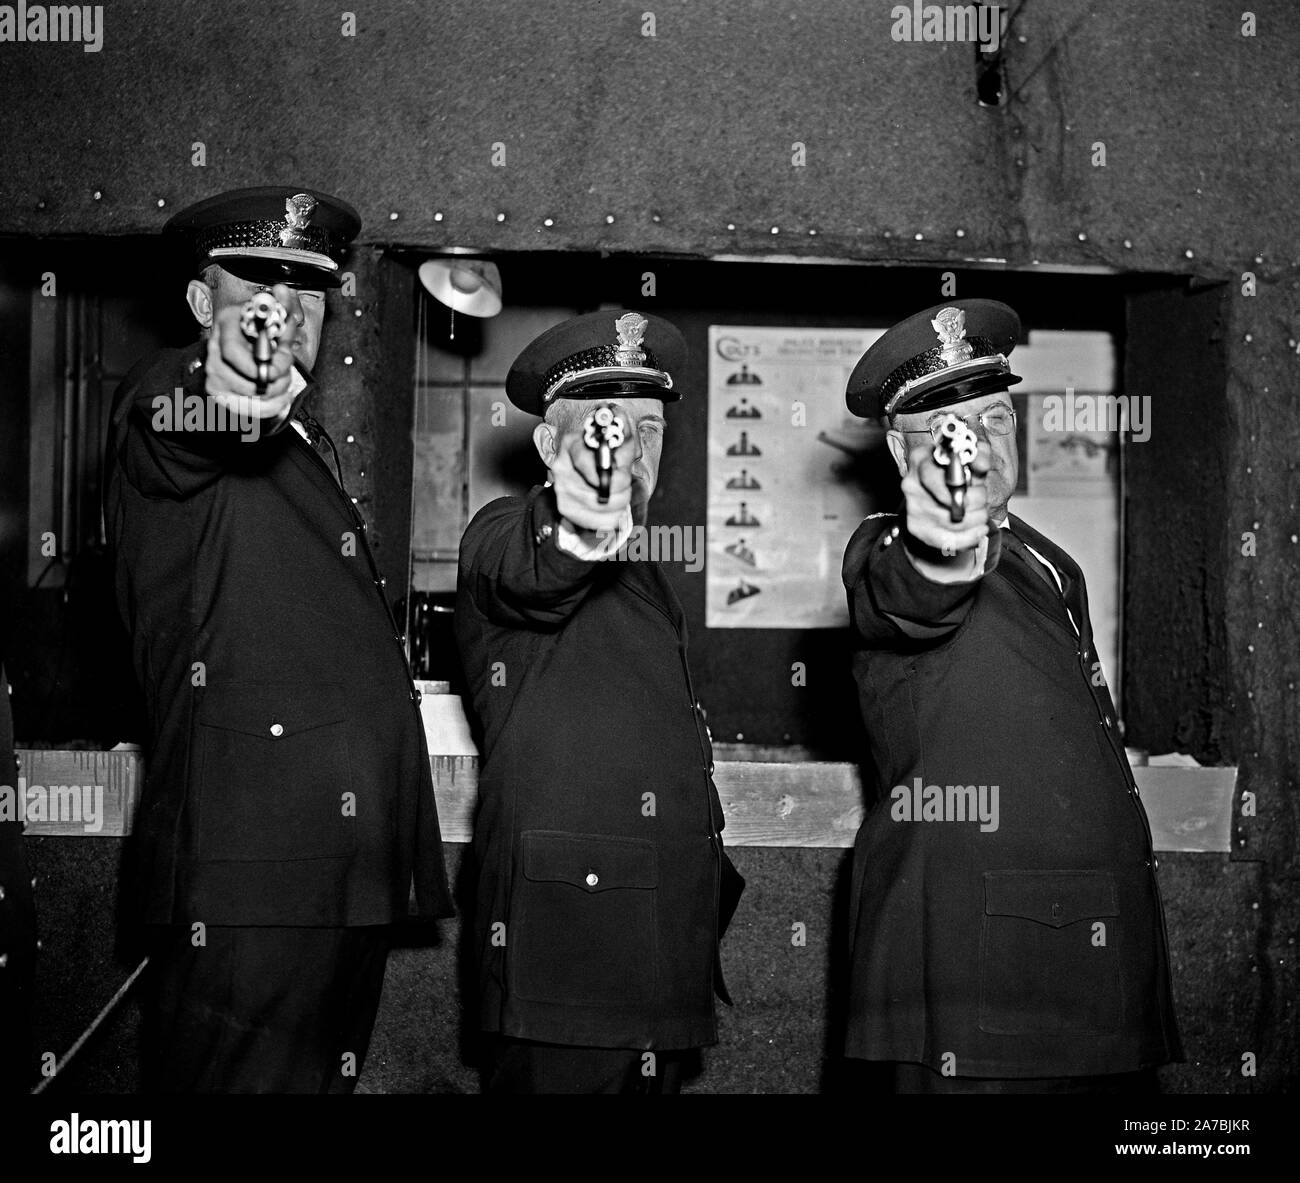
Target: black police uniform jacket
point(287, 778)
point(1036, 948)
point(597, 836)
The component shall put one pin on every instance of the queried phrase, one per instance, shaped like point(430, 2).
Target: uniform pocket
point(274, 772)
point(582, 927)
point(1049, 957)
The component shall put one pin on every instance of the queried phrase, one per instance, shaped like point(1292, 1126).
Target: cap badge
point(950, 324)
point(631, 332)
point(298, 211)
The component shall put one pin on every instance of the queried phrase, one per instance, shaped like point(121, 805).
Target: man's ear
point(898, 449)
point(199, 297)
point(544, 442)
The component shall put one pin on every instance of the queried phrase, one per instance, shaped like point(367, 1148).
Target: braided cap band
point(242, 235)
point(601, 363)
point(923, 365)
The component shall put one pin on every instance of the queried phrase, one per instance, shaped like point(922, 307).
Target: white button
point(277, 729)
point(592, 878)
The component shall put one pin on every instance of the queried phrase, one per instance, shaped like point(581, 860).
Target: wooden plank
point(802, 804)
point(1189, 808)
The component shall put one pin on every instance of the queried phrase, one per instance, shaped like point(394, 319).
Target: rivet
point(501, 217)
point(1189, 254)
point(1128, 245)
point(347, 361)
point(1259, 258)
point(731, 225)
point(162, 201)
point(437, 215)
point(97, 195)
point(392, 217)
point(1249, 338)
point(609, 219)
point(919, 236)
point(776, 229)
point(1082, 236)
point(548, 221)
point(351, 439)
point(41, 204)
point(813, 232)
point(356, 312)
point(655, 218)
point(960, 232)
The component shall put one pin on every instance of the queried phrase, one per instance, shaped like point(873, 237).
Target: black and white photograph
point(737, 548)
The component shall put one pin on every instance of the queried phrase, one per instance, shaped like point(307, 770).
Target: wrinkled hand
point(231, 366)
point(927, 499)
point(574, 475)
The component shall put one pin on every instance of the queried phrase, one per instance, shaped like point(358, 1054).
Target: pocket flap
point(593, 862)
point(272, 710)
point(1054, 898)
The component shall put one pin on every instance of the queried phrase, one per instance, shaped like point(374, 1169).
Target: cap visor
point(273, 271)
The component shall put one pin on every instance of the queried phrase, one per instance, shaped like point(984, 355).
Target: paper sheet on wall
point(784, 490)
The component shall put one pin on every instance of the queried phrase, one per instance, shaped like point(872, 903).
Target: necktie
point(1016, 547)
point(1033, 579)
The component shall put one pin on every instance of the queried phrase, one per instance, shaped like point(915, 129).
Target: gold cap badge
point(631, 332)
point(298, 211)
point(950, 324)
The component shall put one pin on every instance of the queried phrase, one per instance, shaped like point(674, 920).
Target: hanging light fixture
point(463, 283)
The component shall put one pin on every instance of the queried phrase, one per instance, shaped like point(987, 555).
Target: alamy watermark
point(81, 805)
point(1099, 412)
point(54, 22)
point(179, 411)
point(946, 803)
point(663, 544)
point(948, 22)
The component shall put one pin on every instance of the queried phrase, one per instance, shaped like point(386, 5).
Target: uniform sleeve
point(170, 439)
point(514, 569)
point(889, 599)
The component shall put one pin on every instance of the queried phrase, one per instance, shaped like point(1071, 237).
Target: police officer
point(288, 801)
point(1007, 931)
point(603, 885)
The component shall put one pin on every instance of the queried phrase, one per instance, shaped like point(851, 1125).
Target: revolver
point(262, 322)
point(954, 450)
point(602, 432)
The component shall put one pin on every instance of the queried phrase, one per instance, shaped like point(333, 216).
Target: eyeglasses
point(998, 419)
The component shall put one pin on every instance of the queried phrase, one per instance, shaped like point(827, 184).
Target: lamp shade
point(471, 286)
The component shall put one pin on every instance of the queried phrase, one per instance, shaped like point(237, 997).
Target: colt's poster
point(784, 462)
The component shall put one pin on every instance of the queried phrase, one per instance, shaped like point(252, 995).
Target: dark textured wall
point(685, 141)
point(679, 134)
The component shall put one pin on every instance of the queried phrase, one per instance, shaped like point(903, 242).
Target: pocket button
point(592, 878)
point(277, 729)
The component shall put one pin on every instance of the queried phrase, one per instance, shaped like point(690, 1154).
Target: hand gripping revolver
point(602, 432)
point(954, 450)
point(262, 322)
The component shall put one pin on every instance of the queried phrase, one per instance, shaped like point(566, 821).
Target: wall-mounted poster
point(788, 479)
point(785, 491)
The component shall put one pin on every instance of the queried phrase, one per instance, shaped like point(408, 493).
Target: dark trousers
point(918, 1078)
point(522, 1066)
point(261, 1010)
